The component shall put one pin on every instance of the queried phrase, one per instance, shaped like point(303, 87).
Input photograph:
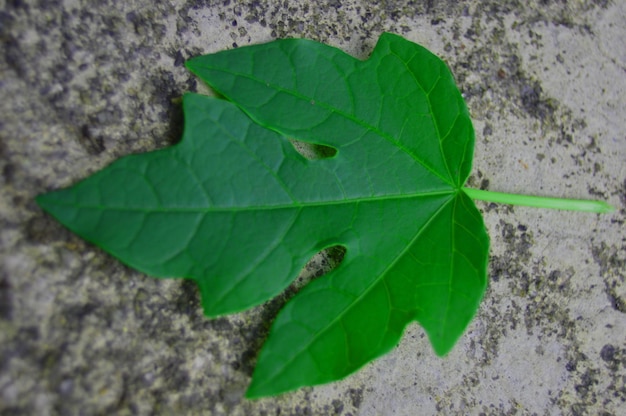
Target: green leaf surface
point(236, 208)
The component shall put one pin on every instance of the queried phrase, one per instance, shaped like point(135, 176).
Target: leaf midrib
point(293, 205)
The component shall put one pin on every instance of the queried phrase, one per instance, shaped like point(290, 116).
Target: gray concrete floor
point(83, 83)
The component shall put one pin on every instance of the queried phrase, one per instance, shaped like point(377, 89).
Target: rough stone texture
point(85, 82)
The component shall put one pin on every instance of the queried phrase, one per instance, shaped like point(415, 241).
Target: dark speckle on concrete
point(608, 353)
point(6, 306)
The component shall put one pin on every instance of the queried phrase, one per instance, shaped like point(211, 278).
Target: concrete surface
point(83, 83)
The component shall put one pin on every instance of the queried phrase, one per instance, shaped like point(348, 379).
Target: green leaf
point(235, 207)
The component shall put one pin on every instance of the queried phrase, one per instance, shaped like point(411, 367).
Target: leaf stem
point(539, 201)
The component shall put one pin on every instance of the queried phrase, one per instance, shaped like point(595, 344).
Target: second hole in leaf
point(320, 264)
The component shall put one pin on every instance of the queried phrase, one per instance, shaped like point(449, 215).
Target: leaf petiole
point(539, 201)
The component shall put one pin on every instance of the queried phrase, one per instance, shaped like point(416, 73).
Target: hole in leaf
point(320, 264)
point(313, 151)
